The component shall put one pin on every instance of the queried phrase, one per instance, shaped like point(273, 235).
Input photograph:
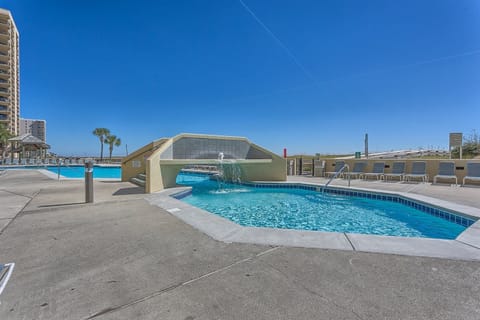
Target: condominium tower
point(9, 73)
point(37, 128)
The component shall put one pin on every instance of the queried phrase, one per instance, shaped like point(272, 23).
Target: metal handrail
point(345, 166)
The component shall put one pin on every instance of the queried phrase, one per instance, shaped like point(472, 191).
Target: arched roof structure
point(161, 160)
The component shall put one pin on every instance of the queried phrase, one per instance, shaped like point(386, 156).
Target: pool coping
point(465, 247)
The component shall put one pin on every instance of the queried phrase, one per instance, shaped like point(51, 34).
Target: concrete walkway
point(121, 258)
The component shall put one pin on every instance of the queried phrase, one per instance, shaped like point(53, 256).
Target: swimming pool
point(99, 172)
point(299, 207)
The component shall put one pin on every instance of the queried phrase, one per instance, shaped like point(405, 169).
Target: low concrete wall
point(136, 162)
point(431, 165)
point(155, 176)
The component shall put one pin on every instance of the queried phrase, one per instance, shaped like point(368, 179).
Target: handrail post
point(337, 173)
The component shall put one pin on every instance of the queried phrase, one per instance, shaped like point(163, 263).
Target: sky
point(310, 76)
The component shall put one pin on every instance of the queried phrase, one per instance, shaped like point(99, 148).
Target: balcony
point(4, 92)
point(4, 66)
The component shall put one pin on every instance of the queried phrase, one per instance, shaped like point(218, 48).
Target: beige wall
point(162, 173)
point(166, 171)
point(155, 180)
point(141, 155)
point(275, 171)
point(432, 165)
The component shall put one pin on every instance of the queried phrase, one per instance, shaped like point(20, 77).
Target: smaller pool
point(99, 172)
point(299, 207)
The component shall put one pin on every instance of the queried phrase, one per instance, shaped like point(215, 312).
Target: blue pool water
point(311, 210)
point(99, 172)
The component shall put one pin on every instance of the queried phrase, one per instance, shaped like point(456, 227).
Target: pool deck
point(124, 258)
point(466, 246)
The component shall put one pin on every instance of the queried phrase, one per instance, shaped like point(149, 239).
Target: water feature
point(228, 172)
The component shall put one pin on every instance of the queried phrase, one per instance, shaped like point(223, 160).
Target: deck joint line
point(468, 244)
point(178, 285)
point(19, 212)
point(348, 239)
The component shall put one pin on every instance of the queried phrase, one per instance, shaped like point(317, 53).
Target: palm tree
point(101, 133)
point(112, 140)
point(4, 136)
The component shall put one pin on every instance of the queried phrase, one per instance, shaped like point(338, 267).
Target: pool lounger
point(5, 274)
point(473, 172)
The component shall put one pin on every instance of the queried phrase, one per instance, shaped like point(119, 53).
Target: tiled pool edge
point(465, 247)
point(430, 206)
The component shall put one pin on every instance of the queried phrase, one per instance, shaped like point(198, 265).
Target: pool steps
point(139, 179)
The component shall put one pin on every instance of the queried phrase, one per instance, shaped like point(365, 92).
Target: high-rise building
point(37, 128)
point(9, 73)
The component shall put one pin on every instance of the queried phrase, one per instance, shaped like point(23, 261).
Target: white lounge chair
point(358, 170)
point(398, 171)
point(473, 172)
point(419, 171)
point(338, 166)
point(446, 171)
point(377, 172)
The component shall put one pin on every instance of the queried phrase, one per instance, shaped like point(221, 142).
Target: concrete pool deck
point(466, 246)
point(122, 258)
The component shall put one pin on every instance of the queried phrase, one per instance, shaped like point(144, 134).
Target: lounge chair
point(446, 171)
point(419, 171)
point(398, 171)
point(358, 169)
point(5, 274)
point(8, 161)
point(338, 166)
point(473, 172)
point(23, 162)
point(378, 170)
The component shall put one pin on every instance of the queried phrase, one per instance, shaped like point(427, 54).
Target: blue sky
point(311, 76)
